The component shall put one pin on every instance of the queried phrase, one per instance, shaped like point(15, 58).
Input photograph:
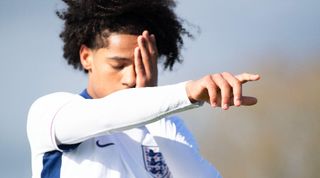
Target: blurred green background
point(280, 40)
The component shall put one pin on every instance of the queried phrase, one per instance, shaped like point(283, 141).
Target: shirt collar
point(85, 94)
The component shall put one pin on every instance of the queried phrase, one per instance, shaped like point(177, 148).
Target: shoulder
point(50, 103)
point(40, 117)
point(53, 98)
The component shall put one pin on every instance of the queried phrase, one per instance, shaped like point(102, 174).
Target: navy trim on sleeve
point(67, 148)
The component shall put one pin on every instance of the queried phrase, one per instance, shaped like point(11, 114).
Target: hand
point(145, 61)
point(221, 90)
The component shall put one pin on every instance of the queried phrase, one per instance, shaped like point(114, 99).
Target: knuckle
point(207, 77)
point(225, 85)
point(237, 82)
point(206, 80)
point(140, 70)
point(225, 97)
point(213, 98)
point(139, 66)
point(143, 78)
point(226, 73)
point(153, 53)
point(216, 75)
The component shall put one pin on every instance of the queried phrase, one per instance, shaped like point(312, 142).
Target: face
point(110, 68)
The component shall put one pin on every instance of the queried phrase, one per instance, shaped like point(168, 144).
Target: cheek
point(108, 76)
point(107, 81)
point(102, 69)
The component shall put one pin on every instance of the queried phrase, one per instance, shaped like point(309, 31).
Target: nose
point(129, 77)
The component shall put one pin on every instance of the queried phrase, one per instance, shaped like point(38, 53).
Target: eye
point(118, 66)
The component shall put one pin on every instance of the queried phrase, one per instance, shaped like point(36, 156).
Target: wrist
point(188, 91)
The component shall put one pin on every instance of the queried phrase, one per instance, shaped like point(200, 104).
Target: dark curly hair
point(90, 22)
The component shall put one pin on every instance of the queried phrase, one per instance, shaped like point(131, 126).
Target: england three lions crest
point(155, 163)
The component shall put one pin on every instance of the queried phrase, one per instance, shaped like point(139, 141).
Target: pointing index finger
point(245, 77)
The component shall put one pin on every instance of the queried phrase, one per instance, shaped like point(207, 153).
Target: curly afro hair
point(90, 22)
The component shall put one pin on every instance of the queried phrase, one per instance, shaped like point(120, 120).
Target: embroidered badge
point(154, 162)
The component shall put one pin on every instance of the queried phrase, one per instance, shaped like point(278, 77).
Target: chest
point(131, 153)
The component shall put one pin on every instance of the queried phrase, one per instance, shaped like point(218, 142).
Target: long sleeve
point(70, 119)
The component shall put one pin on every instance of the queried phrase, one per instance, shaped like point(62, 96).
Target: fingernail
point(255, 76)
point(146, 32)
point(225, 106)
point(237, 102)
point(213, 104)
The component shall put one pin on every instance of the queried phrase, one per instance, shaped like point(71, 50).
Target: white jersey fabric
point(126, 134)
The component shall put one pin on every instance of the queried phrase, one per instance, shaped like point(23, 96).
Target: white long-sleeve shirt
point(123, 135)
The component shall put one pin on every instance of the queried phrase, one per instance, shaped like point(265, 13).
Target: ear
point(86, 57)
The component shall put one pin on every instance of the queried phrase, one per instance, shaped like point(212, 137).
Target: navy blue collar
point(85, 94)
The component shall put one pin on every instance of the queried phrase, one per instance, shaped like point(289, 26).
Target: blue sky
point(231, 33)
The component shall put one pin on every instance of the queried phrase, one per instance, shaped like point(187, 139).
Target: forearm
point(81, 119)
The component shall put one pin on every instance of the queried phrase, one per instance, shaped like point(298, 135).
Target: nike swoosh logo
point(103, 145)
